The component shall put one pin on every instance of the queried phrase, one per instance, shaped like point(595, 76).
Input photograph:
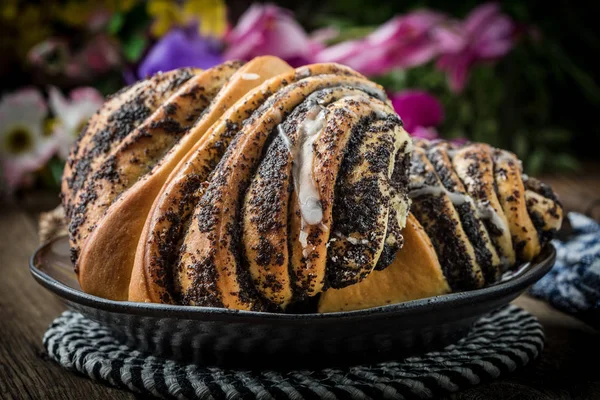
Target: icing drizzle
point(483, 209)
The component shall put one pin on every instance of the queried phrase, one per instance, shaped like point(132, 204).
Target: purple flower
point(180, 48)
point(420, 112)
point(268, 29)
point(403, 42)
point(485, 35)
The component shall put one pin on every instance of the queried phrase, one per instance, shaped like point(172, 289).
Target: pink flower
point(268, 29)
point(485, 35)
point(460, 141)
point(50, 56)
point(420, 112)
point(403, 42)
point(24, 146)
point(429, 133)
point(56, 58)
point(72, 114)
point(101, 54)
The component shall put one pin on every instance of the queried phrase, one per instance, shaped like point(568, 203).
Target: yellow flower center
point(49, 127)
point(18, 140)
point(80, 126)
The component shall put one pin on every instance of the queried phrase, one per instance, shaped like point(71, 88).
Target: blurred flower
point(74, 12)
point(167, 14)
point(100, 54)
point(24, 147)
point(403, 42)
point(323, 35)
point(485, 35)
point(180, 48)
point(268, 29)
point(54, 57)
point(51, 56)
point(460, 141)
point(429, 133)
point(420, 112)
point(209, 15)
point(72, 114)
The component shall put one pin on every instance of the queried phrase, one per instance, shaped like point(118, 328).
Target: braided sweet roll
point(246, 187)
point(474, 215)
point(259, 187)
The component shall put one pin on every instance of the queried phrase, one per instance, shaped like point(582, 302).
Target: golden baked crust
point(212, 233)
point(415, 273)
point(479, 209)
point(121, 114)
point(435, 209)
point(257, 187)
point(511, 193)
point(107, 272)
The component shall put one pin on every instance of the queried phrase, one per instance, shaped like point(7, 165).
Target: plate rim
point(512, 286)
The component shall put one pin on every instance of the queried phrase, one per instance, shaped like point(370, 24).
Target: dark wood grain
point(566, 370)
point(578, 191)
point(26, 310)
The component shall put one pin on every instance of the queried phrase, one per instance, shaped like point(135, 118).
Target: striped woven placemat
point(499, 343)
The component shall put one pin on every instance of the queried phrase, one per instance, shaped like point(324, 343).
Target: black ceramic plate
point(215, 336)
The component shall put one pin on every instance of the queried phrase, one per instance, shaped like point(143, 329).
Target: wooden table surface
point(567, 369)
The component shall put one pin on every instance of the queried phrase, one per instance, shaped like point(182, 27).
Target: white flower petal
point(24, 109)
point(72, 113)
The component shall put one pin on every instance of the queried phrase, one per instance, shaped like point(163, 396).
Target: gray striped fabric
point(498, 344)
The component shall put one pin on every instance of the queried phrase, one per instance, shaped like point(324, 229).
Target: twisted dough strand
point(479, 210)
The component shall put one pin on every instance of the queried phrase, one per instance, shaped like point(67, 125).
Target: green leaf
point(521, 144)
point(109, 84)
point(554, 136)
point(352, 33)
point(535, 162)
point(465, 111)
point(134, 46)
point(115, 23)
point(56, 169)
point(393, 81)
point(564, 161)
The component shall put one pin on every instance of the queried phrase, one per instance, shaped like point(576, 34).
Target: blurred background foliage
point(540, 100)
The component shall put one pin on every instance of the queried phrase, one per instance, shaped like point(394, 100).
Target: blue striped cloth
point(573, 284)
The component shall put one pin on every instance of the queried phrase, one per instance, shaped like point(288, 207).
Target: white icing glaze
point(457, 199)
point(483, 208)
point(350, 239)
point(451, 152)
point(504, 263)
point(302, 155)
point(303, 238)
point(486, 211)
point(303, 72)
point(426, 191)
point(250, 77)
point(306, 189)
point(372, 90)
point(285, 138)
